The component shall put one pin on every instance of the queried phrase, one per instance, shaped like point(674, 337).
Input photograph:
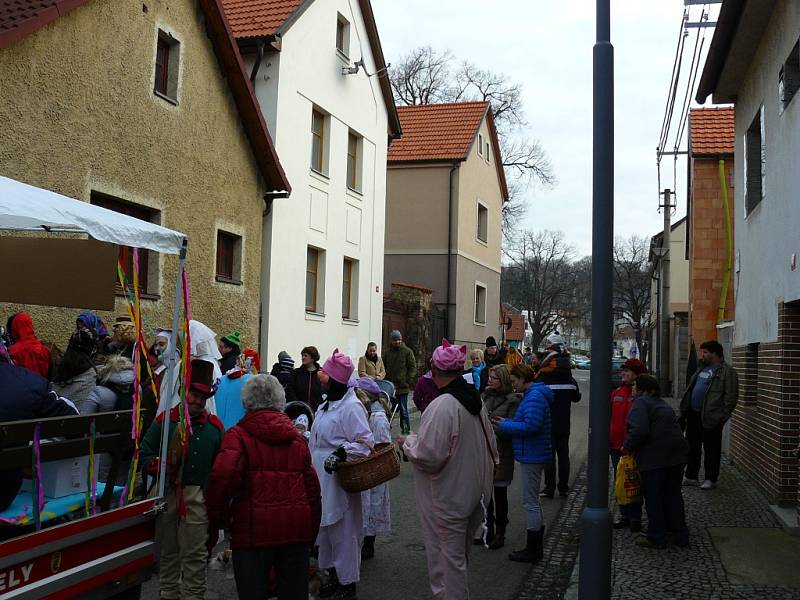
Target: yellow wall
point(478, 182)
point(78, 114)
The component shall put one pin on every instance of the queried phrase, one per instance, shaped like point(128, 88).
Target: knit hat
point(448, 357)
point(234, 338)
point(202, 377)
point(635, 365)
point(490, 341)
point(339, 367)
point(285, 361)
point(368, 385)
point(395, 335)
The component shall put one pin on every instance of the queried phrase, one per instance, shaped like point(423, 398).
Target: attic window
point(343, 36)
point(789, 79)
point(168, 53)
point(480, 144)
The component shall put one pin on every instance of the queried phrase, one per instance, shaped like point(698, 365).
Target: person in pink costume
point(340, 433)
point(453, 455)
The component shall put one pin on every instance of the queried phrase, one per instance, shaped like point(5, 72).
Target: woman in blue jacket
point(530, 434)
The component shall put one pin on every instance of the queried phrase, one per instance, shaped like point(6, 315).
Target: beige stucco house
point(446, 189)
point(144, 107)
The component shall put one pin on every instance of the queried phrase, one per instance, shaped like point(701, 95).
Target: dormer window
point(343, 36)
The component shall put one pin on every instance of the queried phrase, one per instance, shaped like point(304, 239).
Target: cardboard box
point(62, 477)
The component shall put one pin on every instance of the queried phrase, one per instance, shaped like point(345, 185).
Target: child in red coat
point(621, 403)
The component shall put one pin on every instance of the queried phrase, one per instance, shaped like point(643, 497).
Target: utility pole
point(663, 350)
point(595, 550)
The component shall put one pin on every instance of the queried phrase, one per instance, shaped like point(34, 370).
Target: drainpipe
point(450, 245)
point(726, 280)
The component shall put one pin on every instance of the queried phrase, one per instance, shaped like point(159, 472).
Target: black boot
point(345, 592)
point(330, 586)
point(499, 539)
point(533, 551)
point(368, 547)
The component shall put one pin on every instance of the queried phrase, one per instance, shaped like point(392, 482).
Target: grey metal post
point(173, 370)
point(666, 243)
point(595, 549)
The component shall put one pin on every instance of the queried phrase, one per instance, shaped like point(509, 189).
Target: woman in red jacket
point(27, 351)
point(264, 489)
point(621, 403)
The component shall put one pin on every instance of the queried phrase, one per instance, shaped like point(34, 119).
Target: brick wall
point(765, 429)
point(707, 249)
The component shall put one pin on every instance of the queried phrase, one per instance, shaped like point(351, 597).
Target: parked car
point(583, 362)
point(616, 372)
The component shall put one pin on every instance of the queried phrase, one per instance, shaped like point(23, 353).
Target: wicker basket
point(380, 466)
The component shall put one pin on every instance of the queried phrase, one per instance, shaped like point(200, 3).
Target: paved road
point(399, 570)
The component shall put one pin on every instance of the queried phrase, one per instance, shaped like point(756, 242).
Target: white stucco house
point(754, 62)
point(320, 79)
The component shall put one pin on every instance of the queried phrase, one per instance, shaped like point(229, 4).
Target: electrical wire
point(678, 49)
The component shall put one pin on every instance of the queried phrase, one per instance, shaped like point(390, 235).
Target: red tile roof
point(19, 18)
point(711, 131)
point(434, 132)
point(443, 133)
point(256, 18)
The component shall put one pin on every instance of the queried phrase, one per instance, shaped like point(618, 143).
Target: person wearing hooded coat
point(340, 432)
point(264, 489)
point(75, 375)
point(27, 351)
point(24, 396)
point(453, 456)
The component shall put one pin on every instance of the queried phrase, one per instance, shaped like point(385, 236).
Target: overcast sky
point(547, 47)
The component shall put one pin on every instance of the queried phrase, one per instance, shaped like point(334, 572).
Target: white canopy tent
point(28, 208)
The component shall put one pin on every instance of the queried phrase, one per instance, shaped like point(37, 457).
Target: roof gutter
point(453, 169)
point(727, 24)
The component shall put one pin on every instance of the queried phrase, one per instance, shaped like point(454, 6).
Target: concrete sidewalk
point(738, 550)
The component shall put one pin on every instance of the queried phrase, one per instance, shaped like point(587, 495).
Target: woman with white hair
point(264, 489)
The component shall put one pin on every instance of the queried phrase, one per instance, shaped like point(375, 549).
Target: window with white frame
point(789, 79)
point(482, 232)
point(754, 163)
point(319, 141)
point(480, 144)
point(349, 289)
point(343, 36)
point(480, 304)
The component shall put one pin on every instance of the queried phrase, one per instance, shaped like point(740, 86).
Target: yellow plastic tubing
point(726, 279)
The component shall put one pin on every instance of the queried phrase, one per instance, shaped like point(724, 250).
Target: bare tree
point(632, 286)
point(427, 76)
point(423, 76)
point(539, 279)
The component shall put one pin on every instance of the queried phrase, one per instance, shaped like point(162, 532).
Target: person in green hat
point(230, 346)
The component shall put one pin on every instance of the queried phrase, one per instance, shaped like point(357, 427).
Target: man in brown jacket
point(707, 404)
point(371, 364)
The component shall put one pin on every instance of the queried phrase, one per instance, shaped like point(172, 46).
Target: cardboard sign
point(72, 273)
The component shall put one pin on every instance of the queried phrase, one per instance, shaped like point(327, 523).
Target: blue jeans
point(531, 482)
point(629, 512)
point(405, 420)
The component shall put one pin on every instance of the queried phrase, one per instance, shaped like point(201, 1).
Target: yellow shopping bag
point(628, 485)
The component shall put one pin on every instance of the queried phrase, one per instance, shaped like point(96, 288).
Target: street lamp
point(595, 560)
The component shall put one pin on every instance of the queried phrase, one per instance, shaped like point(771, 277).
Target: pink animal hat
point(448, 357)
point(339, 367)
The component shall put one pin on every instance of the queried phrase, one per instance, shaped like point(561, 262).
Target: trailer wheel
point(133, 593)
